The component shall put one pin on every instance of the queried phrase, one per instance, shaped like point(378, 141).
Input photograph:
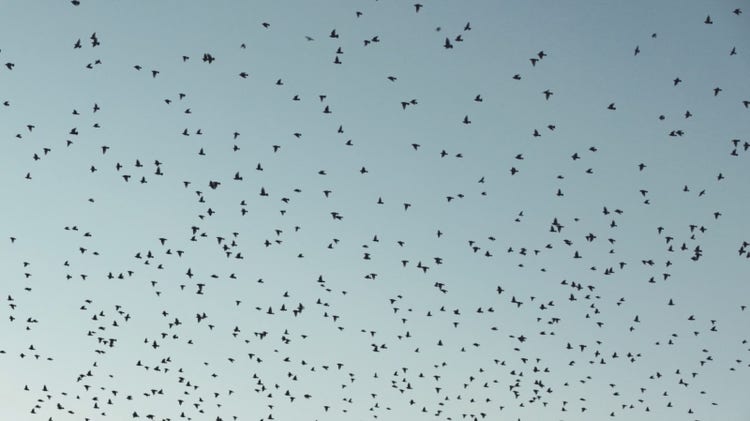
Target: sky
point(350, 210)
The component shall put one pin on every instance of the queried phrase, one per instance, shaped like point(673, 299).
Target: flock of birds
point(330, 275)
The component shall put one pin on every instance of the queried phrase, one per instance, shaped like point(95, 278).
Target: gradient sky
point(583, 328)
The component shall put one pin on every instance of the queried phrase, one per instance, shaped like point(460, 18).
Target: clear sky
point(349, 210)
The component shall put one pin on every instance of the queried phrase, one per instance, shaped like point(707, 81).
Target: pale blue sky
point(589, 64)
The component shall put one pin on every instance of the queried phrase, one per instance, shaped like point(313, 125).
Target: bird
point(533, 299)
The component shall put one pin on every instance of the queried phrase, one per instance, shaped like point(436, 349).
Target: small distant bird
point(447, 43)
point(708, 20)
point(547, 94)
point(417, 6)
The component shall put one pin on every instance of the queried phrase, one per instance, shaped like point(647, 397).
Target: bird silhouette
point(540, 260)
